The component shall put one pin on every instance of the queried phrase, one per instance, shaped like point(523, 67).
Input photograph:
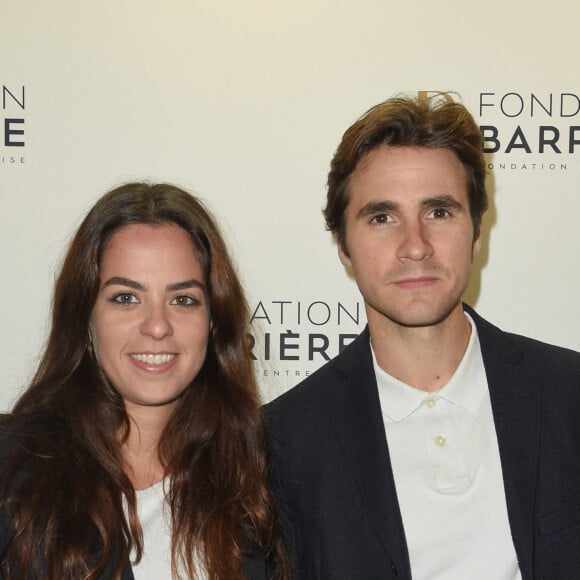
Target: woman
point(138, 450)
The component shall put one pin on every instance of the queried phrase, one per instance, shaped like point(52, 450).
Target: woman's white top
point(155, 518)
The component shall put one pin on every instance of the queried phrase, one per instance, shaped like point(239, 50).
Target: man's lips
point(412, 283)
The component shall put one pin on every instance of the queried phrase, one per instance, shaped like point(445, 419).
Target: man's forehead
point(391, 152)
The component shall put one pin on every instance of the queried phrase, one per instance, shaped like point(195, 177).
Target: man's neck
point(424, 357)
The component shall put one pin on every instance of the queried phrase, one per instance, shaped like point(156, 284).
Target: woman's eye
point(185, 301)
point(125, 298)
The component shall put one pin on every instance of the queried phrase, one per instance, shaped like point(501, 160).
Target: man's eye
point(440, 213)
point(125, 298)
point(381, 218)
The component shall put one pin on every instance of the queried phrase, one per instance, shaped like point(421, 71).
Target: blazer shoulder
point(316, 389)
point(561, 365)
point(517, 349)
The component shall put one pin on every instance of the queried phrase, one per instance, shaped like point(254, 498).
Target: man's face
point(409, 235)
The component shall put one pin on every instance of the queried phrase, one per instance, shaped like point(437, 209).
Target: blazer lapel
point(515, 401)
point(360, 429)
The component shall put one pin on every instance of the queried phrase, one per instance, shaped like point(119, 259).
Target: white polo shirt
point(448, 477)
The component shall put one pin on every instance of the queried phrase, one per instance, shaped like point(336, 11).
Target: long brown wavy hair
point(64, 483)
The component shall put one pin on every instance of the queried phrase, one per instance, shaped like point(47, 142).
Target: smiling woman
point(150, 323)
point(138, 450)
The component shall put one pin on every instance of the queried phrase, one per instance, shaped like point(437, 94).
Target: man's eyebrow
point(375, 207)
point(446, 201)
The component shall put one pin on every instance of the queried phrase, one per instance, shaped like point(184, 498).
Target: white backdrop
point(244, 103)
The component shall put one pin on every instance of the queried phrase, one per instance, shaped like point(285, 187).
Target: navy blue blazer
point(333, 478)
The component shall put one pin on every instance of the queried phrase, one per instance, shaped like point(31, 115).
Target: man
point(435, 446)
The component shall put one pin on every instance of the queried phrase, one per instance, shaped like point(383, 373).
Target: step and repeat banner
point(243, 104)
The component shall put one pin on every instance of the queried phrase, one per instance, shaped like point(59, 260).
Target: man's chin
point(421, 317)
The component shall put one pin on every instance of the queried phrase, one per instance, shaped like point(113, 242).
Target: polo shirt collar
point(465, 388)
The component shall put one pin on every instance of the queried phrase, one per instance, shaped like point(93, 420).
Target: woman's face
point(150, 323)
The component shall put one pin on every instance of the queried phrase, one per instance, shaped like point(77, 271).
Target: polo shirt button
point(440, 441)
point(431, 403)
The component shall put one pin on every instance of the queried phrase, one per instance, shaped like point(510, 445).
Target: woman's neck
point(141, 448)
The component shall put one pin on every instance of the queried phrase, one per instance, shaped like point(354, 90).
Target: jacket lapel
point(360, 429)
point(515, 400)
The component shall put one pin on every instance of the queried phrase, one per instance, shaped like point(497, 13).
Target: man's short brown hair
point(433, 122)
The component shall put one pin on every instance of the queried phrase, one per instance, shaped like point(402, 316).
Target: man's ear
point(343, 254)
point(476, 245)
